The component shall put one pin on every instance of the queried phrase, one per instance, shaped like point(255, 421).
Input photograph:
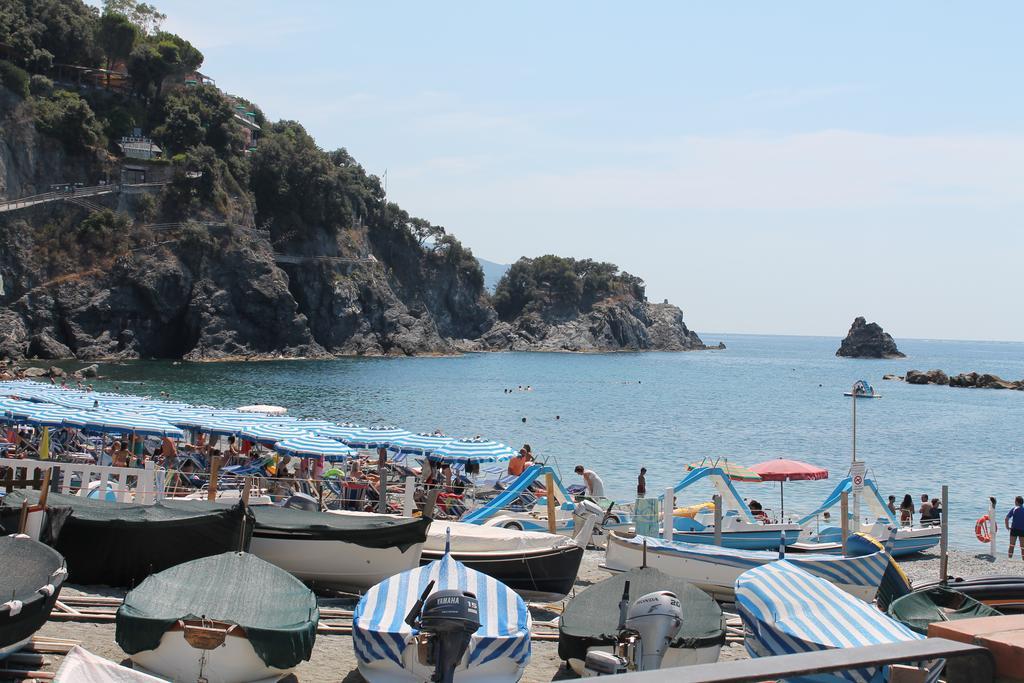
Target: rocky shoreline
point(966, 380)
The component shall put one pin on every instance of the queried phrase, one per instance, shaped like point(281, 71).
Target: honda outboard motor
point(446, 621)
point(655, 618)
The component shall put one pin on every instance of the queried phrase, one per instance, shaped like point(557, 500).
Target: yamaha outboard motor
point(446, 621)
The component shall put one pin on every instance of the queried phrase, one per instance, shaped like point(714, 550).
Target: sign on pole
point(857, 476)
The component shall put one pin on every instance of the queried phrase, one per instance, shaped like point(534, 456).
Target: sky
point(769, 167)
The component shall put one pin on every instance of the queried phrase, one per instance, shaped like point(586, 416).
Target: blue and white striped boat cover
point(464, 451)
point(866, 570)
point(786, 610)
point(379, 631)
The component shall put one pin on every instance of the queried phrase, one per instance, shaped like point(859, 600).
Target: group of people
point(929, 512)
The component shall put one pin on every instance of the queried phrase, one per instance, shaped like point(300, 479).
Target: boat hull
point(546, 574)
point(908, 542)
point(741, 540)
point(500, 670)
point(333, 564)
point(233, 662)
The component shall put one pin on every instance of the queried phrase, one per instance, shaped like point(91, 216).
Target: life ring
point(981, 530)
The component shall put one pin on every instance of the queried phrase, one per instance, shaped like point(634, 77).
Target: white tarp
point(82, 666)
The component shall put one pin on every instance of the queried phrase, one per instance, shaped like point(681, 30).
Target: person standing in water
point(641, 483)
point(595, 487)
point(1015, 525)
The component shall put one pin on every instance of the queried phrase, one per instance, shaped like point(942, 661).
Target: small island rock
point(868, 340)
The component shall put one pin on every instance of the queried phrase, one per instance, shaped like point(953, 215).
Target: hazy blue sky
point(770, 167)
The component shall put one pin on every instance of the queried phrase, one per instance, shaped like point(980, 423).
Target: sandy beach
point(334, 660)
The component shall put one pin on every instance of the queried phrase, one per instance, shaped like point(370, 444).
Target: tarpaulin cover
point(367, 530)
point(82, 666)
point(920, 608)
point(27, 568)
point(120, 544)
point(278, 613)
point(592, 618)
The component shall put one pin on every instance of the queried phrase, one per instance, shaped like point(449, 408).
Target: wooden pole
point(409, 501)
point(211, 493)
point(45, 491)
point(844, 513)
point(23, 520)
point(382, 482)
point(549, 484)
point(944, 538)
point(667, 516)
point(717, 500)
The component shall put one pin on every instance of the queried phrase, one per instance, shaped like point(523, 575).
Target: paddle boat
point(787, 610)
point(591, 620)
point(909, 539)
point(715, 569)
point(442, 622)
point(927, 605)
point(31, 576)
point(228, 618)
point(740, 528)
point(861, 389)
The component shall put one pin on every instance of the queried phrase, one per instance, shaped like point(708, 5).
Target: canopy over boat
point(592, 618)
point(278, 613)
point(31, 576)
point(120, 544)
point(379, 631)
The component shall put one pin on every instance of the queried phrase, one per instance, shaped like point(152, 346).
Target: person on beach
point(925, 511)
point(641, 483)
point(517, 465)
point(892, 505)
point(530, 459)
point(936, 510)
point(595, 487)
point(1015, 525)
point(119, 454)
point(906, 510)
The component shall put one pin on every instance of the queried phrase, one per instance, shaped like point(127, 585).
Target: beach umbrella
point(270, 434)
point(263, 409)
point(219, 427)
point(419, 444)
point(325, 429)
point(783, 470)
point(129, 423)
point(314, 447)
point(475, 450)
point(377, 436)
point(733, 471)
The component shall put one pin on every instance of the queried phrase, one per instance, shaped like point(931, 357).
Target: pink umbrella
point(783, 470)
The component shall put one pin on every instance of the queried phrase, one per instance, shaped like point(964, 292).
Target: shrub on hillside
point(67, 117)
point(14, 79)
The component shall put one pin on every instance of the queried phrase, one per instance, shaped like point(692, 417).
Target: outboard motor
point(646, 630)
point(446, 622)
point(302, 501)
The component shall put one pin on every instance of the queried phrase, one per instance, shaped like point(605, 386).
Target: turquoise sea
point(763, 397)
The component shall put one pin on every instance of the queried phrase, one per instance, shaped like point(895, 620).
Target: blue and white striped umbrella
point(465, 451)
point(380, 634)
point(219, 427)
point(377, 436)
point(270, 434)
point(314, 447)
point(50, 416)
point(419, 444)
point(114, 423)
point(328, 430)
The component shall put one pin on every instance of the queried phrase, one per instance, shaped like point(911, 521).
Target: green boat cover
point(923, 607)
point(31, 577)
point(369, 531)
point(278, 613)
point(592, 618)
point(120, 544)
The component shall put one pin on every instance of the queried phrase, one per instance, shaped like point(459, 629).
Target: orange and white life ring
point(981, 530)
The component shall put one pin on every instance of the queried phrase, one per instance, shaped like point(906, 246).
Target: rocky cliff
point(868, 340)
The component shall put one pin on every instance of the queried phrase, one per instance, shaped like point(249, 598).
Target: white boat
point(257, 622)
point(337, 550)
point(389, 650)
point(715, 569)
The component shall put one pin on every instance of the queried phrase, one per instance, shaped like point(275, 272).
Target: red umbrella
point(783, 470)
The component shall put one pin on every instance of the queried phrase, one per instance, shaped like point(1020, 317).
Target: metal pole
point(944, 539)
point(853, 398)
point(991, 521)
point(211, 493)
point(844, 512)
point(667, 526)
point(717, 499)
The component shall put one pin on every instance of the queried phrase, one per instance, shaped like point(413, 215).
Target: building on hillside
point(247, 120)
point(138, 146)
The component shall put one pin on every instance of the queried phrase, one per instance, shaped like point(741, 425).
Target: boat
point(82, 666)
point(1003, 593)
point(31, 576)
point(715, 569)
point(120, 544)
point(538, 566)
point(740, 528)
point(337, 551)
point(927, 605)
point(786, 610)
point(909, 540)
point(228, 618)
point(591, 620)
point(861, 389)
point(389, 649)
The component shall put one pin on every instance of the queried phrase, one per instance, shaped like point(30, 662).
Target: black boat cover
point(278, 613)
point(120, 544)
point(922, 607)
point(592, 618)
point(31, 576)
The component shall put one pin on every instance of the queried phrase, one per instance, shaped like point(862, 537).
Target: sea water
point(763, 397)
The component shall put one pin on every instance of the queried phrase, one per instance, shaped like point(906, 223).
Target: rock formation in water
point(868, 340)
point(243, 239)
point(969, 380)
